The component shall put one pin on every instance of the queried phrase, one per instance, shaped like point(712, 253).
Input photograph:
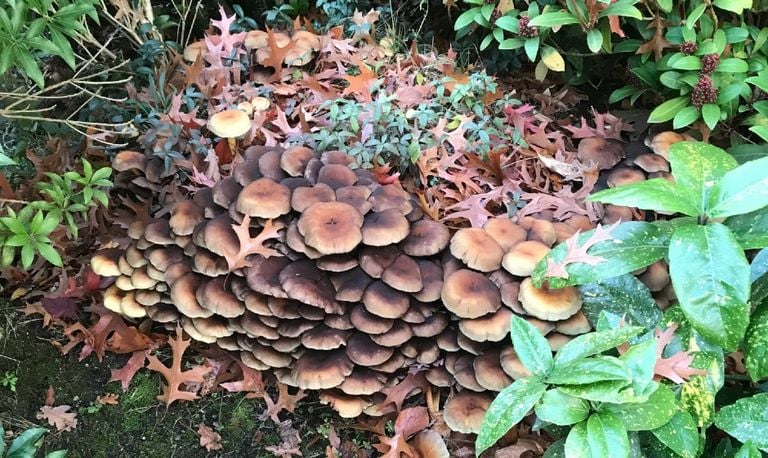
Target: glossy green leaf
point(512, 43)
point(24, 444)
point(742, 190)
point(624, 8)
point(554, 19)
point(625, 296)
point(751, 229)
point(710, 113)
point(588, 370)
point(50, 254)
point(748, 450)
point(710, 275)
point(697, 166)
point(507, 23)
point(639, 361)
point(594, 40)
point(680, 434)
point(466, 18)
point(621, 93)
point(734, 6)
point(531, 346)
point(685, 63)
point(756, 344)
point(510, 406)
point(761, 131)
point(29, 65)
point(668, 109)
point(607, 436)
point(695, 15)
point(576, 444)
point(608, 391)
point(531, 48)
point(634, 245)
point(758, 268)
point(732, 65)
point(593, 343)
point(5, 160)
point(656, 194)
point(746, 420)
point(561, 409)
point(654, 413)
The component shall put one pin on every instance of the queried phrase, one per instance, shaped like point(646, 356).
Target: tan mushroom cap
point(303, 197)
point(557, 340)
point(363, 382)
point(264, 198)
point(294, 160)
point(195, 50)
point(384, 301)
point(603, 152)
point(304, 282)
point(543, 231)
point(189, 328)
point(336, 176)
point(135, 257)
point(229, 124)
point(426, 238)
point(212, 295)
point(549, 304)
point(367, 322)
point(429, 444)
point(512, 365)
point(521, 260)
point(464, 372)
point(493, 327)
point(306, 39)
point(226, 191)
point(183, 295)
point(255, 39)
point(212, 326)
point(439, 376)
point(397, 335)
point(356, 196)
point(464, 412)
point(346, 406)
point(105, 262)
point(322, 370)
point(575, 325)
point(624, 176)
point(184, 217)
point(661, 142)
point(431, 279)
point(385, 227)
point(331, 227)
point(403, 275)
point(489, 373)
point(477, 249)
point(505, 232)
point(351, 285)
point(614, 213)
point(470, 294)
point(363, 351)
point(337, 262)
point(656, 276)
point(374, 261)
point(652, 163)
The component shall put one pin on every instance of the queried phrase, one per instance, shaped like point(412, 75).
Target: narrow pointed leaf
point(756, 344)
point(593, 343)
point(697, 166)
point(654, 413)
point(625, 296)
point(657, 194)
point(751, 229)
point(561, 409)
point(588, 370)
point(607, 436)
point(741, 190)
point(680, 434)
point(531, 347)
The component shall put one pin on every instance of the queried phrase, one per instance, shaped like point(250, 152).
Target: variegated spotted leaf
point(593, 343)
point(746, 420)
point(640, 360)
point(561, 409)
point(600, 436)
point(624, 296)
point(697, 167)
point(710, 275)
point(531, 347)
point(751, 229)
point(589, 370)
point(742, 190)
point(680, 434)
point(634, 245)
point(660, 407)
point(756, 344)
point(656, 194)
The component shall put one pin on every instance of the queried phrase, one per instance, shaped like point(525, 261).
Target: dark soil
point(139, 425)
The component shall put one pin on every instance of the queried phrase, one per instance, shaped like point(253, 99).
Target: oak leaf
point(678, 366)
point(174, 375)
point(109, 399)
point(276, 55)
point(407, 387)
point(285, 401)
point(125, 374)
point(409, 422)
point(58, 417)
point(209, 438)
point(252, 382)
point(362, 83)
point(576, 253)
point(252, 245)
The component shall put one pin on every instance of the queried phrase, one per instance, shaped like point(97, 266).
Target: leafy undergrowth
point(133, 422)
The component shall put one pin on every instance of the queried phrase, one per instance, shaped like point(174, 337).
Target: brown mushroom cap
point(184, 217)
point(105, 262)
point(403, 275)
point(429, 444)
point(549, 304)
point(385, 228)
point(362, 382)
point(331, 227)
point(374, 261)
point(477, 249)
point(614, 213)
point(543, 231)
point(512, 365)
point(464, 412)
point(398, 334)
point(363, 351)
point(264, 198)
point(369, 323)
point(557, 340)
point(183, 295)
point(432, 281)
point(575, 325)
point(523, 257)
point(656, 277)
point(264, 275)
point(426, 238)
point(493, 327)
point(652, 163)
point(294, 160)
point(505, 232)
point(603, 152)
point(229, 124)
point(303, 197)
point(323, 337)
point(158, 233)
point(470, 294)
point(304, 282)
point(351, 285)
point(213, 296)
point(385, 301)
point(346, 406)
point(440, 377)
point(391, 196)
point(624, 176)
point(217, 236)
point(194, 50)
point(356, 196)
point(661, 142)
point(337, 263)
point(322, 370)
point(336, 176)
point(489, 373)
point(431, 326)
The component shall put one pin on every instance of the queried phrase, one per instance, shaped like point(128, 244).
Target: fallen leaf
point(174, 375)
point(125, 374)
point(285, 401)
point(109, 399)
point(58, 417)
point(50, 396)
point(579, 253)
point(255, 245)
point(678, 366)
point(209, 439)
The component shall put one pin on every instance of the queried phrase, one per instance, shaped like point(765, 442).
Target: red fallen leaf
point(125, 374)
point(409, 422)
point(362, 83)
point(252, 245)
point(209, 438)
point(678, 366)
point(223, 153)
point(110, 399)
point(252, 382)
point(578, 253)
point(38, 309)
point(50, 396)
point(399, 393)
point(60, 307)
point(382, 174)
point(174, 375)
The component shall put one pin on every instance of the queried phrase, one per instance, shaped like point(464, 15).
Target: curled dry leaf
point(209, 439)
point(59, 417)
point(109, 399)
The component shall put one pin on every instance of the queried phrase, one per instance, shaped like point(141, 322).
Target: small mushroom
point(477, 249)
point(331, 227)
point(549, 304)
point(523, 257)
point(230, 124)
point(470, 294)
point(464, 411)
point(603, 152)
point(624, 176)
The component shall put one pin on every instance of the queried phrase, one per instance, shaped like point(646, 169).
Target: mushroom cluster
point(301, 46)
point(351, 286)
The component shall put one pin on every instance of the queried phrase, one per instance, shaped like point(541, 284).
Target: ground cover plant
point(664, 355)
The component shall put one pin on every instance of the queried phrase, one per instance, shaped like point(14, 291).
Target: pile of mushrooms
point(362, 288)
point(302, 46)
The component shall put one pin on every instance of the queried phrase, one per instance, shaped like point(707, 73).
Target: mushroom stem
point(232, 142)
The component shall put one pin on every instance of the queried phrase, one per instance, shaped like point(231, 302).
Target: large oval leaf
point(657, 194)
point(651, 414)
point(607, 436)
point(510, 406)
point(756, 344)
point(710, 275)
point(589, 370)
point(680, 434)
point(625, 296)
point(634, 245)
point(742, 190)
point(593, 343)
point(751, 229)
point(668, 109)
point(561, 409)
point(697, 166)
point(531, 346)
point(746, 420)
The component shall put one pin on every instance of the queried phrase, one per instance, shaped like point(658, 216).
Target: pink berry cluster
point(703, 92)
point(526, 30)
